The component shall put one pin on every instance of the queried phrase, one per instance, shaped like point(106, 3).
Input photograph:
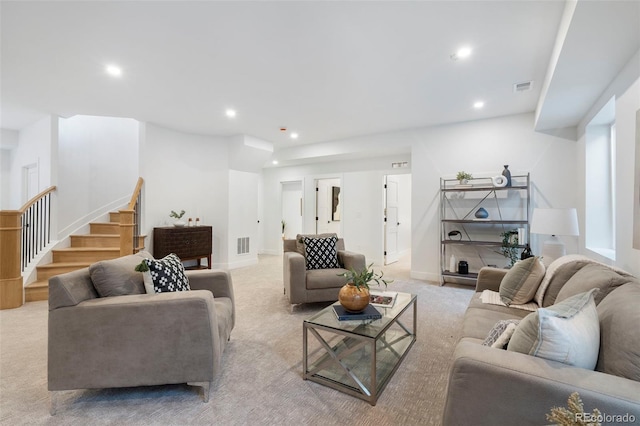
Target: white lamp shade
point(555, 222)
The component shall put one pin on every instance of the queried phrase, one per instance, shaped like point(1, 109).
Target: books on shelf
point(369, 313)
point(383, 299)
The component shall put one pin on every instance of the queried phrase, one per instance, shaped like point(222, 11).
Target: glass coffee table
point(359, 357)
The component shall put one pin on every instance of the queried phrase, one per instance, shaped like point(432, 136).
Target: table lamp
point(554, 222)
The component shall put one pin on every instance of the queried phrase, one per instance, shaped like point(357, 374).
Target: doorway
point(291, 209)
point(328, 206)
point(30, 182)
point(397, 217)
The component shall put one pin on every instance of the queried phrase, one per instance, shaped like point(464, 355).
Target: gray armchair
point(316, 285)
point(137, 339)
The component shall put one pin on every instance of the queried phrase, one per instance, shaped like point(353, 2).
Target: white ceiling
point(328, 70)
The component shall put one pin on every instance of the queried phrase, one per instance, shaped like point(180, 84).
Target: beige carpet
point(261, 383)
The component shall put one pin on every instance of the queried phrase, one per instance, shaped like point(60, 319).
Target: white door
point(328, 206)
point(391, 220)
point(31, 186)
point(292, 208)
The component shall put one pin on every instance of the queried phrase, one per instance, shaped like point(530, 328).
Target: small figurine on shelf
point(190, 223)
point(197, 221)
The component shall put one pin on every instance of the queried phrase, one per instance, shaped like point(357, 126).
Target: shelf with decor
point(482, 223)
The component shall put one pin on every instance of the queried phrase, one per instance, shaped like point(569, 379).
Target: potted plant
point(463, 177)
point(178, 216)
point(509, 248)
point(354, 295)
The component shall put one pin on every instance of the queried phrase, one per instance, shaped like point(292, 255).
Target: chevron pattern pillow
point(321, 253)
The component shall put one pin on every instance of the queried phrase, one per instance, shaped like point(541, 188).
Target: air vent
point(525, 86)
point(400, 165)
point(243, 245)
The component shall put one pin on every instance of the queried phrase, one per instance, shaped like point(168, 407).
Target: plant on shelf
point(361, 279)
point(463, 177)
point(178, 216)
point(509, 248)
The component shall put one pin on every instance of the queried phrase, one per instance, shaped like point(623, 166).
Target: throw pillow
point(300, 240)
point(321, 253)
point(165, 275)
point(520, 283)
point(117, 277)
point(500, 334)
point(594, 275)
point(567, 332)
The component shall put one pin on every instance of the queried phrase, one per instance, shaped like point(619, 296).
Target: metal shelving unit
point(479, 239)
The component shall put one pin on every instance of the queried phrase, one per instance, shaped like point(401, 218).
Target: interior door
point(292, 209)
point(391, 220)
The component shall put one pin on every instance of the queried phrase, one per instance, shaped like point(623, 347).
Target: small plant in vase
point(463, 177)
point(509, 247)
point(178, 216)
point(354, 296)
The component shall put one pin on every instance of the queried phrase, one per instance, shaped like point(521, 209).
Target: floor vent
point(243, 245)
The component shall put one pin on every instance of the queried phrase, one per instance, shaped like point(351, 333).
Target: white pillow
point(567, 332)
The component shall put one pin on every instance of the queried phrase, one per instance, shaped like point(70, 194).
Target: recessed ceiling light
point(462, 53)
point(478, 104)
point(231, 113)
point(294, 135)
point(113, 70)
point(274, 162)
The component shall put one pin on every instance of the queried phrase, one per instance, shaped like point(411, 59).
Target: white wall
point(34, 147)
point(626, 89)
point(97, 168)
point(243, 217)
point(9, 141)
point(186, 172)
point(482, 148)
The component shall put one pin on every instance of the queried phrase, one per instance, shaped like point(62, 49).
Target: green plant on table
point(362, 278)
point(177, 215)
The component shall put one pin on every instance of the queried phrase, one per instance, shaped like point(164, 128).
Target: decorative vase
point(507, 174)
point(481, 213)
point(179, 223)
point(352, 298)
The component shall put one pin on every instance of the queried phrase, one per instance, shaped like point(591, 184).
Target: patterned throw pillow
point(164, 275)
point(501, 333)
point(321, 253)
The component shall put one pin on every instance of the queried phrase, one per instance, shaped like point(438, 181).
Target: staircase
point(102, 243)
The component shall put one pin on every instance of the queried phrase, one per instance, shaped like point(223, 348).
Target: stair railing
point(23, 234)
point(130, 222)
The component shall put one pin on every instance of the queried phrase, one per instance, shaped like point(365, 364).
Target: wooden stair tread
point(64, 265)
point(38, 284)
point(83, 249)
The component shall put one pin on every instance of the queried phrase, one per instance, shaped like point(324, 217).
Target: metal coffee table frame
point(358, 357)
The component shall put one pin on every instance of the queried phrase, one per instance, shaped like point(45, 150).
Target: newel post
point(11, 290)
point(126, 232)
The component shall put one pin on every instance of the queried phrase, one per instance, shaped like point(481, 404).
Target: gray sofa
point(136, 339)
point(490, 386)
point(317, 285)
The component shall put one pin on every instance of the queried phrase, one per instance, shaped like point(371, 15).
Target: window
point(600, 144)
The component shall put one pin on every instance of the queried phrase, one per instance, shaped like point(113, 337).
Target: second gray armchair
point(302, 285)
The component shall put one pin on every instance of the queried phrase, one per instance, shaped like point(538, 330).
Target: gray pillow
point(592, 276)
point(118, 277)
point(567, 332)
point(619, 332)
point(519, 285)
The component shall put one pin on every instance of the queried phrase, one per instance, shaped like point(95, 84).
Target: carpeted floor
point(262, 379)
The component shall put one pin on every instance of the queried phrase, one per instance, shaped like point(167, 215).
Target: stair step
point(51, 269)
point(95, 240)
point(37, 290)
point(114, 217)
point(85, 254)
point(109, 228)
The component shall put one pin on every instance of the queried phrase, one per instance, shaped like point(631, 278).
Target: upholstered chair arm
point(217, 281)
point(489, 278)
point(294, 276)
point(349, 260)
point(489, 386)
point(135, 340)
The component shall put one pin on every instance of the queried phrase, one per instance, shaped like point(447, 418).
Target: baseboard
point(271, 252)
point(425, 276)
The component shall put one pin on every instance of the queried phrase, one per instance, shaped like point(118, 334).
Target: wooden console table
point(188, 243)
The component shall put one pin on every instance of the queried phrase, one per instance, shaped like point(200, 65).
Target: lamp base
point(552, 249)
